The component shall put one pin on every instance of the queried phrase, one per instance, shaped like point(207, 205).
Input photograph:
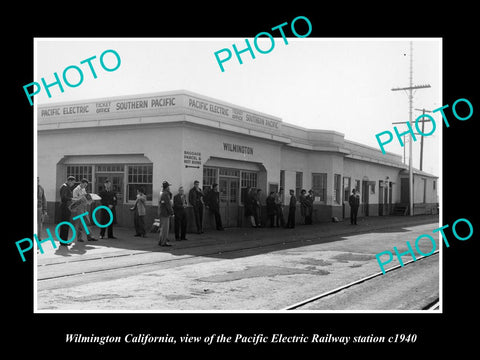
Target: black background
point(45, 333)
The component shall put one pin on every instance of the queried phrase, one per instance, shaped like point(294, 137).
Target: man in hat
point(213, 204)
point(109, 199)
point(354, 201)
point(165, 211)
point(81, 205)
point(65, 213)
point(179, 205)
point(195, 197)
point(292, 206)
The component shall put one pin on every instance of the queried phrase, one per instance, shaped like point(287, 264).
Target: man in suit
point(66, 196)
point(213, 204)
point(354, 201)
point(109, 199)
point(291, 210)
point(195, 198)
point(179, 205)
point(271, 208)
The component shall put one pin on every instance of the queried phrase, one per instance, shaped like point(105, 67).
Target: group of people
point(175, 206)
point(74, 201)
point(274, 208)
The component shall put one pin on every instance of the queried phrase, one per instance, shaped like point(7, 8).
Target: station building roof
point(189, 107)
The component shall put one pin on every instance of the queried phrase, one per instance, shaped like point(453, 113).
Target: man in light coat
point(139, 213)
point(165, 211)
point(81, 203)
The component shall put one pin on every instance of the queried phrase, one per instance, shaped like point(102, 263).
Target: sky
point(335, 84)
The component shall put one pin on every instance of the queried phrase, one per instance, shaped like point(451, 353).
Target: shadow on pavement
point(240, 242)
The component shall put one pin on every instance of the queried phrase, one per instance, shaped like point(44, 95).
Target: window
point(80, 172)
point(319, 186)
point(139, 176)
point(434, 184)
point(209, 177)
point(298, 183)
point(272, 187)
point(346, 188)
point(229, 172)
point(357, 186)
point(110, 168)
point(336, 188)
point(248, 179)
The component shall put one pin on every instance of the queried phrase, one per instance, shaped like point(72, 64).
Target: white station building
point(181, 136)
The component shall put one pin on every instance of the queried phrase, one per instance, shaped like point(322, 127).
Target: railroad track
point(183, 258)
point(200, 245)
point(435, 305)
point(432, 306)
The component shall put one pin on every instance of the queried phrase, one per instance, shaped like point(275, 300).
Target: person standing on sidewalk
point(279, 208)
point(66, 196)
point(165, 211)
point(81, 202)
point(271, 208)
point(139, 213)
point(291, 210)
point(212, 202)
point(354, 201)
point(304, 206)
point(109, 199)
point(248, 202)
point(310, 200)
point(257, 207)
point(179, 205)
point(195, 198)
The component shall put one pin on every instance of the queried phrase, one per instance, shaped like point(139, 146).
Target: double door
point(229, 196)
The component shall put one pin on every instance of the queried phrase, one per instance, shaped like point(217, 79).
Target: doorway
point(404, 191)
point(228, 188)
point(390, 192)
point(365, 195)
point(380, 198)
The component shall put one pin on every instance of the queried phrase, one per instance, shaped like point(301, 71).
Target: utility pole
point(421, 141)
point(410, 100)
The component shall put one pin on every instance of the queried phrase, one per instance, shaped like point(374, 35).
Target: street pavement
point(237, 269)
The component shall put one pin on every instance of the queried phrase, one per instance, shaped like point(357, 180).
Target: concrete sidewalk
point(126, 243)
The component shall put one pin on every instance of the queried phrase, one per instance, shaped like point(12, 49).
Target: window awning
point(234, 164)
point(105, 159)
